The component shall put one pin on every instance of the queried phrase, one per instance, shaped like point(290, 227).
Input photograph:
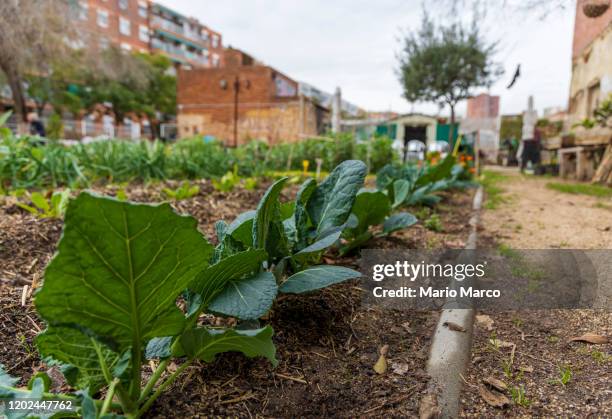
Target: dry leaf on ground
point(493, 398)
point(501, 343)
point(454, 326)
point(495, 383)
point(591, 338)
point(399, 368)
point(428, 408)
point(381, 365)
point(484, 321)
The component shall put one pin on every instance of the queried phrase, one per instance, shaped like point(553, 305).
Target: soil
point(327, 342)
point(541, 349)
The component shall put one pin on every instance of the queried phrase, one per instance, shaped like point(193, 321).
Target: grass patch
point(491, 181)
point(581, 189)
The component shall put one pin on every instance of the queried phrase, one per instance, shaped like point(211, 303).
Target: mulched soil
point(327, 341)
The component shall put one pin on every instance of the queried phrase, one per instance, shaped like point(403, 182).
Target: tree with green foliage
point(140, 83)
point(33, 34)
point(443, 64)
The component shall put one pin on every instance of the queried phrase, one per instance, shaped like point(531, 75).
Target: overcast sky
point(353, 44)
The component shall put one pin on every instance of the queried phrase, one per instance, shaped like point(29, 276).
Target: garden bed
point(327, 342)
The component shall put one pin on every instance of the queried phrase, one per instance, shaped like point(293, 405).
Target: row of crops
point(110, 294)
point(27, 162)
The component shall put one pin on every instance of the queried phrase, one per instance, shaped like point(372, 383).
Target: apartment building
point(124, 23)
point(184, 39)
point(142, 25)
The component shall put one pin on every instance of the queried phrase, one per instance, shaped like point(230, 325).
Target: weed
point(490, 181)
point(250, 183)
point(184, 191)
point(600, 357)
point(565, 375)
point(434, 223)
point(423, 213)
point(43, 207)
point(581, 189)
point(519, 396)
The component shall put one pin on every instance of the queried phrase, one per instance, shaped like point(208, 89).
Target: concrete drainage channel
point(451, 349)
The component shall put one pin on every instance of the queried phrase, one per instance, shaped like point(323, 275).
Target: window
point(104, 43)
point(215, 41)
point(123, 4)
point(126, 47)
point(215, 60)
point(142, 9)
point(83, 11)
point(143, 33)
point(124, 26)
point(102, 18)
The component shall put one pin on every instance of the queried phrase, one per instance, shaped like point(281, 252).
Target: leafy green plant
point(228, 181)
point(413, 185)
point(109, 302)
point(288, 239)
point(5, 131)
point(184, 191)
point(43, 207)
point(250, 183)
point(372, 208)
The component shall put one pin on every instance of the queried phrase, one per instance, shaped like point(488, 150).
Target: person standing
point(36, 125)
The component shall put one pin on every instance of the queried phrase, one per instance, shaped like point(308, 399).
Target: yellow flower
point(305, 164)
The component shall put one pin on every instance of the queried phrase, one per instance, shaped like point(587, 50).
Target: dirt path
point(546, 374)
point(532, 216)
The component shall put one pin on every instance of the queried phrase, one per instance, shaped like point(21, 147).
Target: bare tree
point(32, 34)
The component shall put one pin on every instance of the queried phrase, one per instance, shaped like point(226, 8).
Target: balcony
point(179, 54)
point(167, 25)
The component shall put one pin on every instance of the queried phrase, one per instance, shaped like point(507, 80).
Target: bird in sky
point(517, 74)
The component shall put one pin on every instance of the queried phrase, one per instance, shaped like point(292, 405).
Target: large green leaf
point(356, 242)
point(438, 172)
point(205, 344)
point(73, 347)
point(316, 278)
point(401, 189)
point(209, 283)
point(398, 221)
point(119, 269)
point(248, 298)
point(370, 208)
point(241, 228)
point(331, 203)
point(301, 220)
point(318, 246)
point(268, 231)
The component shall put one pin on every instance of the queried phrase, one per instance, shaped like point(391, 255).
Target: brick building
point(483, 106)
point(145, 26)
point(124, 23)
point(245, 100)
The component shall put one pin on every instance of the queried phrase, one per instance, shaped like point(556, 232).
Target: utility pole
point(336, 110)
point(236, 92)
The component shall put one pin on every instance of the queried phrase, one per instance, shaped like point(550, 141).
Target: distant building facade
point(245, 100)
point(591, 71)
point(145, 26)
point(483, 123)
point(483, 106)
